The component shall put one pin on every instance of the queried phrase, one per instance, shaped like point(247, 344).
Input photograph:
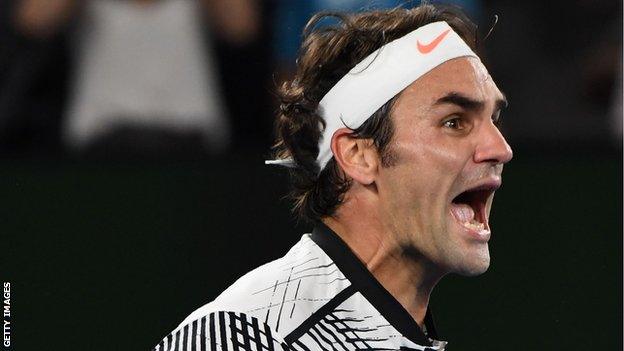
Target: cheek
point(438, 163)
point(419, 184)
point(428, 164)
point(441, 159)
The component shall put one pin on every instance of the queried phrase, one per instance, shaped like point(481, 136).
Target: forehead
point(465, 75)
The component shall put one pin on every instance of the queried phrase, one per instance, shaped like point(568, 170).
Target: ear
point(358, 158)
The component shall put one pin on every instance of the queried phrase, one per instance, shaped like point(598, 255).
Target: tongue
point(463, 212)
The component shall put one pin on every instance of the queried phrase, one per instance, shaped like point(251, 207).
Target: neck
point(407, 276)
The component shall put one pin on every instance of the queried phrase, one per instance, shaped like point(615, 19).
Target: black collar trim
point(362, 279)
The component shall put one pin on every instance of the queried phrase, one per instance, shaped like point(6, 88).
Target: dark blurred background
point(132, 140)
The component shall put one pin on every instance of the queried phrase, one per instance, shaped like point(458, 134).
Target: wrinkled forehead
point(466, 75)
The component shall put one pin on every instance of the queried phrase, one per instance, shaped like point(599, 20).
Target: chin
point(474, 265)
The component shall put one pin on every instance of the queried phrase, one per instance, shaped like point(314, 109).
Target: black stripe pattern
point(222, 331)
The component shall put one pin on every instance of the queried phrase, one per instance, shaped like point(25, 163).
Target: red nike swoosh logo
point(427, 48)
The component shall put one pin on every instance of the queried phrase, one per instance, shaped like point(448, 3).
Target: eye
point(454, 123)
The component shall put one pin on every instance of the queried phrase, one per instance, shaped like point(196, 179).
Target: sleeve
point(223, 331)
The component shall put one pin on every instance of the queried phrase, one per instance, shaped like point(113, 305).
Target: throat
point(408, 278)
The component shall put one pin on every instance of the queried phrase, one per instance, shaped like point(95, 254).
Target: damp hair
point(327, 53)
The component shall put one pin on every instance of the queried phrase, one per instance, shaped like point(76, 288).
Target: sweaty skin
point(398, 219)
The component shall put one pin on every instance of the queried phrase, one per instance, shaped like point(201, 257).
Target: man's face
point(449, 155)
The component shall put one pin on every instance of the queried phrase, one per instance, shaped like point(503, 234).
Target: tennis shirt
point(319, 296)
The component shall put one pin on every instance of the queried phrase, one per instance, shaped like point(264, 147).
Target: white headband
point(382, 75)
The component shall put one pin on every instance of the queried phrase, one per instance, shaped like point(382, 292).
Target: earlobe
point(357, 157)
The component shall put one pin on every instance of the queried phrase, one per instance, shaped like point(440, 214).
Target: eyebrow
point(468, 103)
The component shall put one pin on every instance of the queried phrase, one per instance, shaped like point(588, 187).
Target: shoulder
point(258, 292)
point(277, 296)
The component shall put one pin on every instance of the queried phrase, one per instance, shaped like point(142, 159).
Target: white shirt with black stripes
point(319, 296)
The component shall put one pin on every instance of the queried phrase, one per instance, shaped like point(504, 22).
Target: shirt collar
point(361, 278)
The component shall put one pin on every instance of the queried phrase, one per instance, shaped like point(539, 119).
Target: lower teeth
point(478, 226)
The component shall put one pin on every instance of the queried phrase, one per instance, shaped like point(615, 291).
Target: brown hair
point(326, 55)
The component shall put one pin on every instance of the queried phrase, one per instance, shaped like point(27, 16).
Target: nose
point(492, 146)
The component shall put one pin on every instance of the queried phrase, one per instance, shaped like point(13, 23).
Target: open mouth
point(469, 208)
